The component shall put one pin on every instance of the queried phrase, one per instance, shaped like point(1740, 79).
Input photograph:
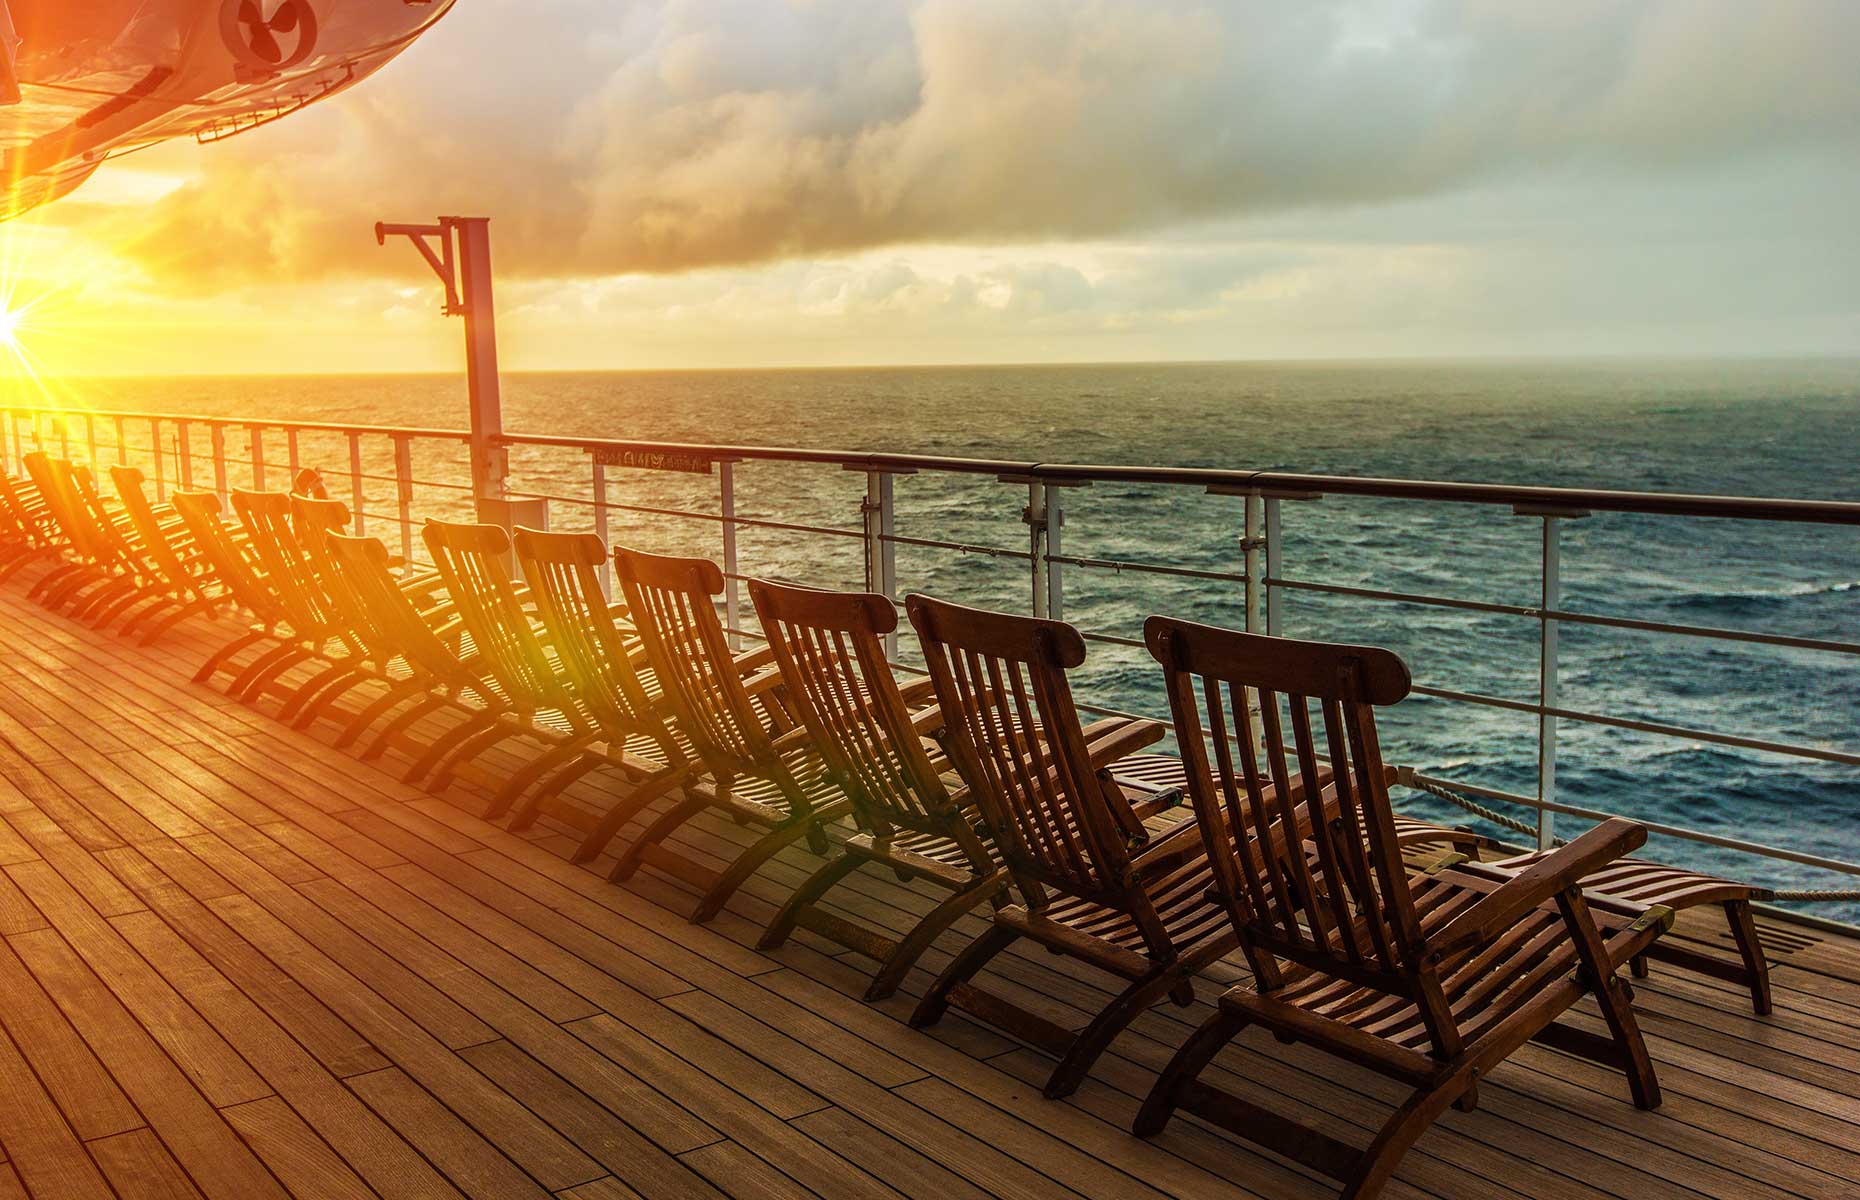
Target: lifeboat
point(83, 82)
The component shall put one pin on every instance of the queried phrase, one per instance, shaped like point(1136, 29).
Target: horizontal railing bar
point(1830, 512)
point(1679, 831)
point(1142, 568)
point(1716, 632)
point(754, 522)
point(898, 539)
point(1111, 639)
point(1654, 727)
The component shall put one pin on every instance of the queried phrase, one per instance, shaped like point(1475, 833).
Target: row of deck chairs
point(1377, 938)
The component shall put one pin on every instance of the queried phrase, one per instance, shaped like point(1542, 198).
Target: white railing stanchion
point(90, 441)
point(732, 590)
point(1547, 667)
point(258, 458)
point(122, 444)
point(881, 553)
point(1275, 567)
point(356, 495)
point(290, 449)
point(403, 492)
point(1034, 515)
point(63, 425)
point(606, 570)
point(219, 459)
point(181, 473)
point(1252, 541)
point(1055, 570)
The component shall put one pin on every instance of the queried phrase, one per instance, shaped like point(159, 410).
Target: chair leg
point(524, 813)
point(1744, 933)
point(812, 888)
point(1110, 1021)
point(660, 829)
point(378, 708)
point(250, 683)
point(313, 707)
point(1636, 1064)
point(544, 764)
point(759, 852)
point(219, 657)
point(614, 819)
point(160, 629)
point(1185, 1067)
point(459, 746)
point(333, 673)
point(1400, 1132)
point(912, 945)
point(397, 726)
point(961, 969)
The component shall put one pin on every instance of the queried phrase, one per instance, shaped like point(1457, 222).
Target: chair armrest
point(1178, 842)
point(918, 691)
point(751, 661)
point(1498, 910)
point(1127, 738)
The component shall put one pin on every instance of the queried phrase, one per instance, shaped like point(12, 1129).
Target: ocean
point(1745, 427)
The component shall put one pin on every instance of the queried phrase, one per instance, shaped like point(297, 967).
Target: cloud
point(663, 137)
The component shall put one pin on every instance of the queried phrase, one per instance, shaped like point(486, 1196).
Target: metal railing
point(163, 445)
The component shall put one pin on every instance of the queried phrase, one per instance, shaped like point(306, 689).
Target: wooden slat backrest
point(590, 648)
point(670, 602)
point(24, 518)
point(366, 577)
point(266, 517)
point(827, 644)
point(470, 559)
point(100, 523)
point(200, 512)
point(156, 548)
point(312, 521)
point(61, 504)
point(1330, 893)
point(1012, 728)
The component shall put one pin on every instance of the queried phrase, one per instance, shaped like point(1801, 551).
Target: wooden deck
point(239, 963)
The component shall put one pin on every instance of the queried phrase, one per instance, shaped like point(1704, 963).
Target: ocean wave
point(1759, 596)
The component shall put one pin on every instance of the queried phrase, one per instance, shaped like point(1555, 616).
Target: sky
point(730, 183)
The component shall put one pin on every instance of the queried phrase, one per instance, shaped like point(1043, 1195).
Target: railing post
point(258, 458)
point(219, 459)
point(90, 441)
point(1252, 540)
point(606, 570)
point(879, 521)
point(63, 425)
point(355, 482)
point(1551, 600)
point(1275, 565)
point(183, 459)
point(726, 488)
point(122, 444)
point(1547, 681)
point(403, 492)
point(296, 460)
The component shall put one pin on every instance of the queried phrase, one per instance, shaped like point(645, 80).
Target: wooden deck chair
point(191, 587)
point(148, 588)
point(24, 537)
point(1099, 886)
point(602, 667)
point(827, 646)
point(442, 671)
point(764, 768)
point(315, 634)
point(538, 704)
point(1629, 885)
point(241, 582)
point(89, 571)
point(1430, 979)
